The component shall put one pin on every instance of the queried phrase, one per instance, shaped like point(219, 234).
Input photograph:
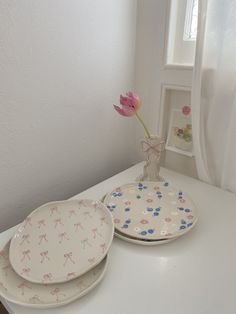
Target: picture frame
point(179, 138)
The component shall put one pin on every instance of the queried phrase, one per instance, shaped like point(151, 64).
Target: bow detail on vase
point(152, 147)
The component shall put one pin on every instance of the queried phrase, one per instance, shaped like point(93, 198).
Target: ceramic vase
point(152, 147)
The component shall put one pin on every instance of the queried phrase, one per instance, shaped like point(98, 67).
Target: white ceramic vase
point(152, 147)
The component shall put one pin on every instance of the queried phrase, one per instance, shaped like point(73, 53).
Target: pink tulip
point(129, 104)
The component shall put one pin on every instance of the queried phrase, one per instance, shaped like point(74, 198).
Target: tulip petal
point(135, 100)
point(133, 96)
point(124, 111)
point(124, 101)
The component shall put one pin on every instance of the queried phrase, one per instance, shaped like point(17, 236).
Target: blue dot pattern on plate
point(126, 224)
point(155, 211)
point(141, 187)
point(146, 232)
point(184, 224)
point(111, 207)
point(117, 194)
point(159, 194)
point(180, 195)
point(186, 210)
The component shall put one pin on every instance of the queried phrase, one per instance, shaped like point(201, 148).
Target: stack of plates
point(150, 213)
point(58, 254)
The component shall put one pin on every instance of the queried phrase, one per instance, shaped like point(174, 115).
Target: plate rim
point(144, 243)
point(20, 228)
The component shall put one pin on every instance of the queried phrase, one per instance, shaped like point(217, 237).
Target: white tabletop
point(194, 274)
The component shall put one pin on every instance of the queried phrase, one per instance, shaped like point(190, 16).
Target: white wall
point(63, 64)
point(151, 18)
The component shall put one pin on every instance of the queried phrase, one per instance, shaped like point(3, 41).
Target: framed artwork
point(179, 137)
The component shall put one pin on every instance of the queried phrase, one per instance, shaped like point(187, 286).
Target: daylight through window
point(191, 17)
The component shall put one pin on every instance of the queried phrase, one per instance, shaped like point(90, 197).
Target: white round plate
point(142, 241)
point(60, 241)
point(17, 290)
point(151, 210)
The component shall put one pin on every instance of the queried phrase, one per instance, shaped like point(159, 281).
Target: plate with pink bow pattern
point(151, 210)
point(20, 291)
point(62, 240)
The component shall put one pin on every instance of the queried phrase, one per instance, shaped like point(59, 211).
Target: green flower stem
point(143, 124)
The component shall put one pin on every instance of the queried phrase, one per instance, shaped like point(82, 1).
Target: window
point(182, 26)
point(190, 25)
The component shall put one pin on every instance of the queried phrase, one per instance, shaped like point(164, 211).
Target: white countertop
point(194, 274)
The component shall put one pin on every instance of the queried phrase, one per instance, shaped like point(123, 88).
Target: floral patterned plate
point(17, 290)
point(60, 241)
point(151, 210)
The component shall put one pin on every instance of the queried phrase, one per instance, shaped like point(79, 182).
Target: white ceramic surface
point(142, 241)
point(17, 290)
point(151, 210)
point(60, 241)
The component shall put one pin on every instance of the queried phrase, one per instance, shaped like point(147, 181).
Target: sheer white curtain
point(214, 94)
